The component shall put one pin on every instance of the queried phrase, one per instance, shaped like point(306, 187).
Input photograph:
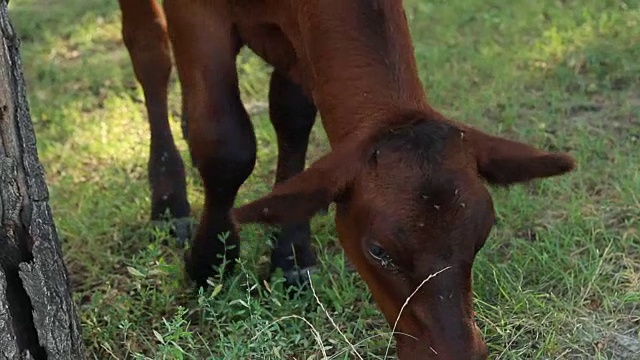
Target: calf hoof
point(299, 278)
point(179, 229)
point(200, 266)
point(196, 271)
point(182, 230)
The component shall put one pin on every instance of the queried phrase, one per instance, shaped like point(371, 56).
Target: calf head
point(411, 202)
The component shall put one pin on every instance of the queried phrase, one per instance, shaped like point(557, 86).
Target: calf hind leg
point(145, 37)
point(293, 116)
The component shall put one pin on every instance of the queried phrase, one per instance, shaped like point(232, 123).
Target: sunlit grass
point(558, 279)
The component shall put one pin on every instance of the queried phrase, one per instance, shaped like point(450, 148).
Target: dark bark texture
point(38, 318)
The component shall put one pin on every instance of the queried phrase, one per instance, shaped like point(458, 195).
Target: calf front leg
point(220, 135)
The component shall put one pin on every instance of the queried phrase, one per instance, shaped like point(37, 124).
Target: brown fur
point(409, 184)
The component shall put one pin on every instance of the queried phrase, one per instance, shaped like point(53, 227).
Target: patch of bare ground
point(609, 115)
point(620, 342)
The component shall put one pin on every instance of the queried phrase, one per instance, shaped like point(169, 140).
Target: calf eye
point(377, 252)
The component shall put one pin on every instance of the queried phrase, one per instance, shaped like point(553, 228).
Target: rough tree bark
point(38, 319)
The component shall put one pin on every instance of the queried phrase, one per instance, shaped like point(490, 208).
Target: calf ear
point(302, 196)
point(503, 162)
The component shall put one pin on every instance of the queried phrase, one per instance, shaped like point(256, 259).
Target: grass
point(558, 279)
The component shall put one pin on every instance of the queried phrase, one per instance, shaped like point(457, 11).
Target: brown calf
point(408, 182)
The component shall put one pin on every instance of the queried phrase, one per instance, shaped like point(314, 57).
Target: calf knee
point(225, 160)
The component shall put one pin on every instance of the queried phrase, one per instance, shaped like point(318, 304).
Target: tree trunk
point(38, 319)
